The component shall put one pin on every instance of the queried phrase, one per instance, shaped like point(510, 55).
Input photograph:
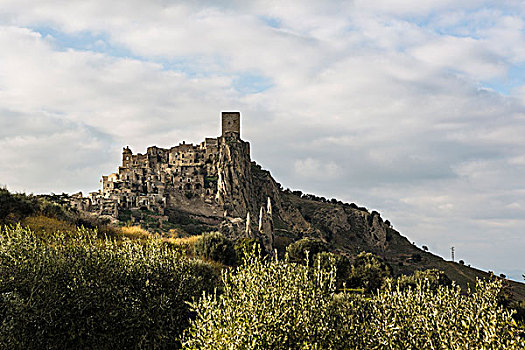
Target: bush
point(248, 246)
point(423, 318)
point(297, 250)
point(368, 272)
point(342, 264)
point(267, 305)
point(16, 207)
point(87, 293)
point(282, 305)
point(215, 246)
point(433, 277)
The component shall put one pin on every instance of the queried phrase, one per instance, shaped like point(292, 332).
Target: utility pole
point(452, 253)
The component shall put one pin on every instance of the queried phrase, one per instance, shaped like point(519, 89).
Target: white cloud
point(316, 169)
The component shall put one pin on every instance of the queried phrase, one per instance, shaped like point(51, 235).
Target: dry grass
point(43, 224)
point(184, 241)
point(134, 232)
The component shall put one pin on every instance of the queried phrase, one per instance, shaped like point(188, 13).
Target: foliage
point(248, 246)
point(15, 207)
point(342, 264)
point(433, 277)
point(88, 293)
point(423, 318)
point(217, 247)
point(267, 305)
point(297, 251)
point(282, 305)
point(369, 272)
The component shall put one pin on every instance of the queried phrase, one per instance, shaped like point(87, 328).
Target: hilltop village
point(210, 178)
point(151, 180)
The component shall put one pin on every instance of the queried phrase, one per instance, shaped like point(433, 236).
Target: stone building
point(160, 176)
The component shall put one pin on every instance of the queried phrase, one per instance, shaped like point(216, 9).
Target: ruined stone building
point(213, 182)
point(162, 176)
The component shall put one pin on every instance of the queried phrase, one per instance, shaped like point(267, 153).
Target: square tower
point(231, 123)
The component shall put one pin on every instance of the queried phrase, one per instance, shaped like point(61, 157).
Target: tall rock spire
point(248, 225)
point(261, 220)
point(266, 226)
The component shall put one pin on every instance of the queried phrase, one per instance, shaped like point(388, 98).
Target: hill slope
point(244, 187)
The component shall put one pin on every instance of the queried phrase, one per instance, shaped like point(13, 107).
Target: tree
point(433, 278)
point(215, 246)
point(342, 264)
point(297, 251)
point(368, 272)
point(248, 246)
point(268, 304)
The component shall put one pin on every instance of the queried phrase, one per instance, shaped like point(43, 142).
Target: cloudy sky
point(412, 108)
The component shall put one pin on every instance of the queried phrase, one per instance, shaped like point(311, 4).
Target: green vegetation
point(298, 251)
point(83, 292)
point(248, 246)
point(48, 213)
point(433, 277)
point(267, 305)
point(368, 272)
point(214, 246)
point(282, 305)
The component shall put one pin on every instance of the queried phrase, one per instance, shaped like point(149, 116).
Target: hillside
point(248, 201)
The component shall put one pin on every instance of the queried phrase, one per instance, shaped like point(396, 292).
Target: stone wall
point(231, 123)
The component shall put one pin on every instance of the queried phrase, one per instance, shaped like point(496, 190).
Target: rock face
point(234, 184)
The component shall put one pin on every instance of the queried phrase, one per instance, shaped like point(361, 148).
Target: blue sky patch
point(515, 78)
point(271, 21)
point(249, 83)
point(83, 41)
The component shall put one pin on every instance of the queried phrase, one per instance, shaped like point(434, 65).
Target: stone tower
point(126, 157)
point(231, 123)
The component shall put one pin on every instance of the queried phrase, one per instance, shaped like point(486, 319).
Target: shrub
point(248, 246)
point(297, 250)
point(86, 293)
point(217, 247)
point(281, 305)
point(423, 318)
point(368, 272)
point(433, 277)
point(267, 305)
point(15, 207)
point(342, 264)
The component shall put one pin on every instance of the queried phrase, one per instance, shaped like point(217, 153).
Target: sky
point(413, 108)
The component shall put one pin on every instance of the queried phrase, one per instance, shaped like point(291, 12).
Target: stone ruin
point(211, 178)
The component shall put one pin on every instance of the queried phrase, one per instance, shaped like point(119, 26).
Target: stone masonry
point(152, 180)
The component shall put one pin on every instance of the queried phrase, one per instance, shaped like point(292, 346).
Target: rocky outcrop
point(235, 191)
